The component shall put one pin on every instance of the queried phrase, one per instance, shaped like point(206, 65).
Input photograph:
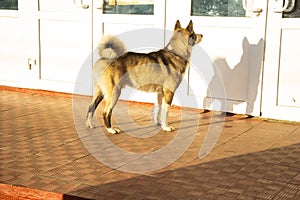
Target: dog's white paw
point(156, 122)
point(113, 130)
point(90, 124)
point(89, 121)
point(168, 128)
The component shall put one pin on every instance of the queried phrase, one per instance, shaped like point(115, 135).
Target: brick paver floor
point(44, 145)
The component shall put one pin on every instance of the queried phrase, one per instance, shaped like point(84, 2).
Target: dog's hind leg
point(97, 98)
point(111, 101)
point(166, 104)
point(157, 109)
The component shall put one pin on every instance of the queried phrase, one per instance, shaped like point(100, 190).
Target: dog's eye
point(192, 39)
point(193, 36)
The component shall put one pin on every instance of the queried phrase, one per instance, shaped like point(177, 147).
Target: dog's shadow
point(233, 86)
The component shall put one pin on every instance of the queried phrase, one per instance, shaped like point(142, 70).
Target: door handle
point(257, 11)
point(291, 6)
point(282, 9)
point(85, 6)
point(79, 3)
point(31, 62)
point(287, 7)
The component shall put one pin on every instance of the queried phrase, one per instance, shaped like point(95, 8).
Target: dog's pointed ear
point(177, 25)
point(190, 28)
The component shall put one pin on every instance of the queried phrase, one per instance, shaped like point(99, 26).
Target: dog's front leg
point(166, 104)
point(157, 109)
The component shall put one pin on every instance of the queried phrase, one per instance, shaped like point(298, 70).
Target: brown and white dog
point(160, 72)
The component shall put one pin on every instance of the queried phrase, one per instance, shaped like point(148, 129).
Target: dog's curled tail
point(111, 47)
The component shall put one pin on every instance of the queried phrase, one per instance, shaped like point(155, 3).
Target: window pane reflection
point(294, 12)
point(9, 4)
point(140, 7)
point(219, 8)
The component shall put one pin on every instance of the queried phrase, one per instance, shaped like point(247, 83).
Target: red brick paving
point(41, 148)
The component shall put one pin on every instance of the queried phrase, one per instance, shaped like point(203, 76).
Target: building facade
point(247, 62)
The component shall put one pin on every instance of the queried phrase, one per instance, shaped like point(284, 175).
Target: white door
point(281, 96)
point(225, 72)
point(140, 24)
point(13, 54)
point(64, 53)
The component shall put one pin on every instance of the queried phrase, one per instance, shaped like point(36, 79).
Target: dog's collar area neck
point(179, 54)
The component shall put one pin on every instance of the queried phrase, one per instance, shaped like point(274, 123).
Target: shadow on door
point(237, 85)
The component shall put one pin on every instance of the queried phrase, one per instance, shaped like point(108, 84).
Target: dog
point(159, 72)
